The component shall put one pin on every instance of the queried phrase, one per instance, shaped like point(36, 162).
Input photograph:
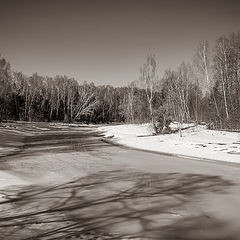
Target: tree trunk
point(224, 95)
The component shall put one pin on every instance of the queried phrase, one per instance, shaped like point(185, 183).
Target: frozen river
point(69, 183)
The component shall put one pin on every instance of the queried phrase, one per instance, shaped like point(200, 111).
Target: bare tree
point(5, 85)
point(202, 64)
point(148, 80)
point(177, 88)
point(221, 69)
point(86, 102)
point(204, 75)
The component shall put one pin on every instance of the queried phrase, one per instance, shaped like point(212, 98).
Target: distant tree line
point(38, 98)
point(207, 90)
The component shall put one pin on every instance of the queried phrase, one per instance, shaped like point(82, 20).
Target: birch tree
point(221, 69)
point(204, 79)
point(85, 104)
point(148, 80)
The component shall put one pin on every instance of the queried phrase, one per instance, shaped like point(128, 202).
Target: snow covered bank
point(197, 142)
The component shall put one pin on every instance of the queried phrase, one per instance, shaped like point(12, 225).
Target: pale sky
point(106, 41)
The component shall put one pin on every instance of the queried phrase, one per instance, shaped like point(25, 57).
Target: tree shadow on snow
point(114, 205)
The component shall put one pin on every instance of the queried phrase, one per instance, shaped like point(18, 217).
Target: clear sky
point(106, 41)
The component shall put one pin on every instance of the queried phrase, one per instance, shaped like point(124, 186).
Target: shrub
point(162, 120)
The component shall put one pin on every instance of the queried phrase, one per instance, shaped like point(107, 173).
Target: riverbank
point(196, 141)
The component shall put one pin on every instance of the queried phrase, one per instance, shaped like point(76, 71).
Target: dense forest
point(206, 90)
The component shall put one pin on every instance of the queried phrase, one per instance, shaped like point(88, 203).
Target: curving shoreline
point(197, 142)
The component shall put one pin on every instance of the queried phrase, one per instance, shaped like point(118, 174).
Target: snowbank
point(197, 142)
